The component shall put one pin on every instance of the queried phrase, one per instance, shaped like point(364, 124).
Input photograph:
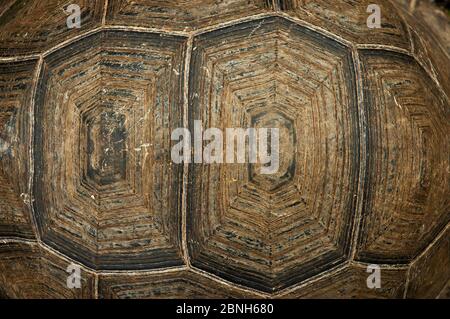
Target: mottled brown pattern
point(15, 96)
point(86, 117)
point(181, 15)
point(181, 284)
point(105, 190)
point(28, 271)
point(431, 53)
point(432, 17)
point(445, 293)
point(431, 271)
point(348, 19)
point(351, 282)
point(287, 226)
point(32, 26)
point(406, 201)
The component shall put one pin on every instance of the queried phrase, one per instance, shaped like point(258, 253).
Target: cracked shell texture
point(86, 117)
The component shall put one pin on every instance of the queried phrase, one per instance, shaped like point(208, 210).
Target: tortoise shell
point(86, 178)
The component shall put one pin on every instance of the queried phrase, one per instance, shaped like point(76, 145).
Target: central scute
point(272, 231)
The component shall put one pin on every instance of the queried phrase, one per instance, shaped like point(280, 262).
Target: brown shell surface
point(86, 177)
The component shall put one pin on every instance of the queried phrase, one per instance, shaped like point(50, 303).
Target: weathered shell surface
point(86, 117)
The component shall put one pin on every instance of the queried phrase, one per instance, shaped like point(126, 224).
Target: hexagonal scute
point(271, 232)
point(350, 282)
point(173, 284)
point(348, 20)
point(106, 192)
point(31, 26)
point(27, 271)
point(16, 85)
point(406, 201)
point(181, 15)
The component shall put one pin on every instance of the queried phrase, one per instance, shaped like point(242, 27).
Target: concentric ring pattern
point(86, 175)
point(269, 231)
point(115, 202)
